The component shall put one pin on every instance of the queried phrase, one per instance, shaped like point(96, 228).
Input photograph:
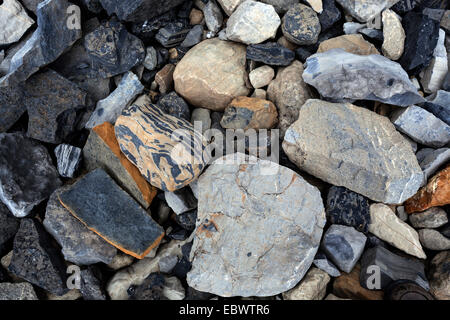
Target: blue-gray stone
point(193, 37)
point(321, 261)
point(270, 53)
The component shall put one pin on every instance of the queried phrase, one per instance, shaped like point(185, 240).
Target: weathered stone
point(320, 143)
point(240, 208)
point(434, 240)
point(288, 92)
point(431, 218)
point(193, 37)
point(110, 108)
point(229, 5)
point(330, 14)
point(270, 53)
point(203, 116)
point(260, 94)
point(58, 28)
point(343, 245)
point(406, 290)
point(68, 158)
point(439, 276)
point(249, 113)
point(118, 218)
point(181, 201)
point(261, 77)
point(431, 160)
point(432, 78)
point(422, 126)
point(392, 267)
point(253, 22)
point(174, 105)
point(151, 59)
point(36, 260)
point(17, 291)
point(103, 151)
point(393, 34)
point(348, 208)
point(27, 175)
point(212, 74)
point(352, 43)
point(323, 263)
point(312, 287)
point(91, 286)
point(386, 226)
point(213, 16)
point(139, 10)
point(145, 137)
point(339, 75)
point(301, 25)
point(79, 245)
point(364, 10)
point(122, 260)
point(9, 226)
point(348, 286)
point(12, 105)
point(14, 22)
point(164, 78)
point(172, 34)
point(113, 50)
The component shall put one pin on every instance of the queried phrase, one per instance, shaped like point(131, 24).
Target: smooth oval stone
point(301, 25)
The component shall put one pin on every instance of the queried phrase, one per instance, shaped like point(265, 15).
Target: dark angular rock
point(172, 34)
point(91, 285)
point(373, 34)
point(330, 14)
point(93, 5)
point(151, 289)
point(422, 34)
point(12, 105)
point(441, 112)
point(392, 267)
point(406, 290)
point(192, 294)
point(9, 226)
point(104, 207)
point(404, 6)
point(31, 4)
point(54, 106)
point(446, 84)
point(146, 30)
point(58, 29)
point(27, 175)
point(302, 54)
point(187, 220)
point(138, 10)
point(113, 50)
point(174, 105)
point(270, 53)
point(36, 260)
point(193, 37)
point(348, 208)
point(321, 261)
point(68, 158)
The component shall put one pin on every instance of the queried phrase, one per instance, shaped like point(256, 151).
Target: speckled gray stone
point(213, 16)
point(431, 218)
point(433, 240)
point(269, 212)
point(17, 291)
point(301, 25)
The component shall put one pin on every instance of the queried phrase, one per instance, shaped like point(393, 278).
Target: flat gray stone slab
point(98, 202)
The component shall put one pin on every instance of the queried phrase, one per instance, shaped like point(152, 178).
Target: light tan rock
point(14, 22)
point(388, 227)
point(352, 43)
point(229, 5)
point(316, 5)
point(394, 35)
point(260, 94)
point(195, 17)
point(261, 77)
point(212, 74)
point(312, 287)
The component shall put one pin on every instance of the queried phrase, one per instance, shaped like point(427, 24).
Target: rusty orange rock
point(435, 193)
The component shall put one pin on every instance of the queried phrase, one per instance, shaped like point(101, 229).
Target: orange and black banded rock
point(103, 151)
point(166, 150)
point(100, 204)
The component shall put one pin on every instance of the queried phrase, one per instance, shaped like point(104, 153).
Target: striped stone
point(166, 150)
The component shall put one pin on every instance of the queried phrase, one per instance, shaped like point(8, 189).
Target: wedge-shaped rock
point(388, 227)
point(98, 202)
point(353, 147)
point(103, 151)
point(339, 75)
point(312, 287)
point(258, 228)
point(166, 149)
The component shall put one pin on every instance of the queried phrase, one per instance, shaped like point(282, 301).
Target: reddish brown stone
point(164, 78)
point(347, 286)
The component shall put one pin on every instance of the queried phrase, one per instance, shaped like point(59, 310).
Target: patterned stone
point(270, 53)
point(68, 158)
point(321, 143)
point(301, 25)
point(100, 204)
point(312, 287)
point(330, 14)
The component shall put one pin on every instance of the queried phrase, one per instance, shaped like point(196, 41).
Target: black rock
point(54, 106)
point(27, 175)
point(138, 10)
point(422, 34)
point(270, 53)
point(406, 290)
point(302, 54)
point(36, 260)
point(174, 105)
point(163, 57)
point(151, 289)
point(392, 267)
point(187, 220)
point(9, 225)
point(172, 34)
point(12, 104)
point(348, 208)
point(193, 37)
point(330, 14)
point(446, 84)
point(441, 112)
point(404, 6)
point(147, 30)
point(93, 5)
point(192, 294)
point(372, 34)
point(185, 9)
point(3, 275)
point(445, 230)
point(113, 49)
point(91, 286)
point(182, 268)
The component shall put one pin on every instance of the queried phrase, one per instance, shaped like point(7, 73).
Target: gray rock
point(32, 4)
point(110, 108)
point(339, 75)
point(27, 175)
point(281, 6)
point(202, 115)
point(213, 16)
point(344, 246)
point(14, 22)
point(151, 59)
point(439, 276)
point(9, 226)
point(353, 27)
point(91, 286)
point(321, 261)
point(79, 244)
point(269, 212)
point(401, 213)
point(392, 267)
point(430, 160)
point(322, 144)
point(68, 158)
point(17, 291)
point(422, 126)
point(193, 37)
point(431, 218)
point(181, 201)
point(364, 10)
point(374, 34)
point(433, 240)
point(174, 105)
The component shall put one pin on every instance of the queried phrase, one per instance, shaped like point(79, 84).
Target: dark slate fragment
point(406, 290)
point(151, 289)
point(270, 53)
point(147, 30)
point(187, 220)
point(373, 34)
point(321, 261)
point(192, 294)
point(36, 260)
point(172, 34)
point(302, 54)
point(91, 286)
point(193, 37)
point(27, 175)
point(441, 112)
point(446, 84)
point(113, 50)
point(9, 225)
point(404, 6)
point(138, 10)
point(422, 34)
point(98, 202)
point(174, 105)
point(330, 14)
point(348, 208)
point(12, 105)
point(392, 268)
